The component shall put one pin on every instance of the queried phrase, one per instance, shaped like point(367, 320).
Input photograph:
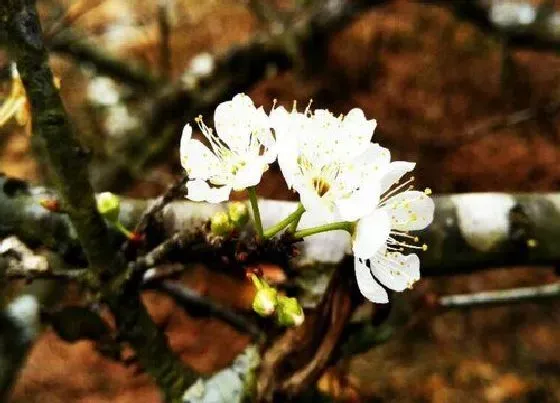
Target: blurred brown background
point(441, 90)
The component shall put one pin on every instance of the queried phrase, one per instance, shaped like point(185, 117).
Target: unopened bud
point(238, 214)
point(289, 312)
point(135, 237)
point(109, 206)
point(265, 301)
point(53, 205)
point(220, 224)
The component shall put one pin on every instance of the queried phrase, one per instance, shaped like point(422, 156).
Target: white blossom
point(239, 151)
point(381, 239)
point(330, 162)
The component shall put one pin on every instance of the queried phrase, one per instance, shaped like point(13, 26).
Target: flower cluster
point(345, 182)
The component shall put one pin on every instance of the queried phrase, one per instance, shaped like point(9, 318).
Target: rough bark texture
point(21, 33)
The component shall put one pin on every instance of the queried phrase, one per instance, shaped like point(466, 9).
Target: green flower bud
point(220, 224)
point(238, 213)
point(289, 312)
point(265, 301)
point(109, 206)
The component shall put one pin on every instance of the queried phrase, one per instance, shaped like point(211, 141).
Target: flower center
point(320, 186)
point(236, 167)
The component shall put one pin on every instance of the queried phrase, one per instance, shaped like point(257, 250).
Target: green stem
point(341, 225)
point(118, 225)
point(293, 217)
point(294, 224)
point(256, 213)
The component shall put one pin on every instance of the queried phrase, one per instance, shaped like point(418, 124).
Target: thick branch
point(66, 158)
point(469, 232)
point(69, 170)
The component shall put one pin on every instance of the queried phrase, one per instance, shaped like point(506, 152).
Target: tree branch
point(69, 170)
point(540, 32)
point(470, 231)
point(196, 305)
point(501, 297)
point(68, 43)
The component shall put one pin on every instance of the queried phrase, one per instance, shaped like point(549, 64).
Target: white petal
point(368, 166)
point(370, 234)
point(357, 129)
point(185, 138)
point(233, 122)
point(250, 174)
point(360, 203)
point(284, 125)
point(410, 210)
point(395, 270)
point(367, 284)
point(313, 203)
point(198, 160)
point(394, 172)
point(267, 142)
point(199, 190)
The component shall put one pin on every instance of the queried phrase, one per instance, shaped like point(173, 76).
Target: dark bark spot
point(12, 186)
point(27, 23)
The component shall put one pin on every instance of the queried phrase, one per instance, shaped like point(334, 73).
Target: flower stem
point(294, 224)
point(118, 225)
point(256, 213)
point(341, 225)
point(293, 217)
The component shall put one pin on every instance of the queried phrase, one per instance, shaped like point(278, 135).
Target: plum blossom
point(330, 162)
point(239, 152)
point(381, 239)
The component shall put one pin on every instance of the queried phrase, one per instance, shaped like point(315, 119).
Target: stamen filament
point(391, 192)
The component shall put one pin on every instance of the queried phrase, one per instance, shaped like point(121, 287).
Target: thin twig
point(14, 273)
point(198, 305)
point(174, 191)
point(501, 297)
point(71, 44)
point(511, 120)
point(160, 252)
point(164, 33)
